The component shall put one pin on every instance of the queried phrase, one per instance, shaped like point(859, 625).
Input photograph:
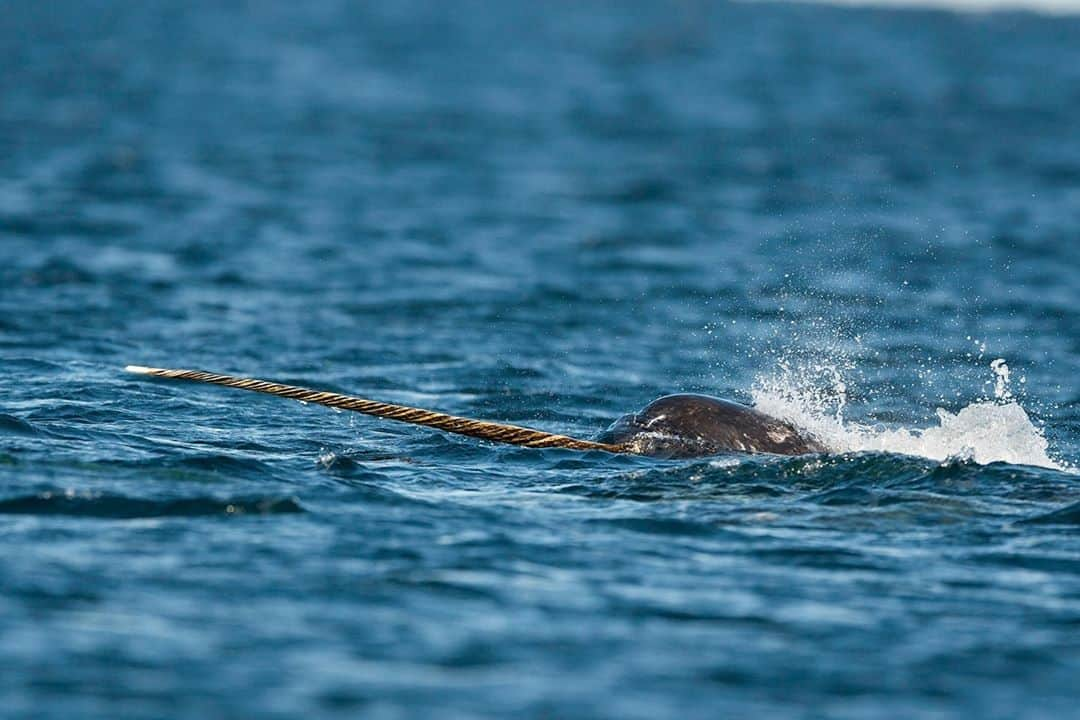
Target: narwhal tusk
point(495, 432)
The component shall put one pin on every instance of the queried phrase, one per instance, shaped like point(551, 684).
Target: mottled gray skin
point(684, 426)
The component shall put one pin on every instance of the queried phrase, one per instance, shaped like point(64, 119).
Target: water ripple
point(122, 507)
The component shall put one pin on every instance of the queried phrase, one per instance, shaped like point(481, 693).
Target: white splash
point(1001, 380)
point(989, 431)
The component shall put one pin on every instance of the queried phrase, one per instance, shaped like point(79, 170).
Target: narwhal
point(674, 426)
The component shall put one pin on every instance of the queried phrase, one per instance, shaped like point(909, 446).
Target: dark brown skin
point(686, 426)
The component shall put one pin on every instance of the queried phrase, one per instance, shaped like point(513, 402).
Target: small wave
point(660, 526)
point(1069, 515)
point(56, 272)
point(984, 432)
point(11, 425)
point(827, 558)
point(220, 463)
point(354, 461)
point(122, 507)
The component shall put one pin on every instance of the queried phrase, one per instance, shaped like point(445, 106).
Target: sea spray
point(814, 397)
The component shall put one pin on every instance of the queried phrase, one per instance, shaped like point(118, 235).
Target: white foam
point(997, 430)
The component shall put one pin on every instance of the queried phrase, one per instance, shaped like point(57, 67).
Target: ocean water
point(864, 220)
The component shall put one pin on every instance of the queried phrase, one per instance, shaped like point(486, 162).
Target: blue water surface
point(547, 214)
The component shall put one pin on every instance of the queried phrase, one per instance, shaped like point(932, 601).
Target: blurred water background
point(865, 220)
